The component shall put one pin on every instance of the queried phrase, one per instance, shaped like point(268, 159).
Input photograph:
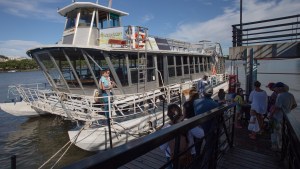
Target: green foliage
point(24, 64)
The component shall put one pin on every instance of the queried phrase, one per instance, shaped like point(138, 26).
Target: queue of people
point(261, 105)
point(194, 106)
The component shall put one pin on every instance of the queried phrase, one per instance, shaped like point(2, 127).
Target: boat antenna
point(109, 3)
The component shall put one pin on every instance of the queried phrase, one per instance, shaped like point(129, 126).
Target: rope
point(61, 150)
point(54, 155)
point(61, 156)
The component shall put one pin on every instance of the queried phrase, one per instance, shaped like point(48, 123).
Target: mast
point(109, 3)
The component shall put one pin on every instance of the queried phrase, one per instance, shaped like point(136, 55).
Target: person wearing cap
point(285, 102)
point(259, 103)
point(202, 84)
point(203, 105)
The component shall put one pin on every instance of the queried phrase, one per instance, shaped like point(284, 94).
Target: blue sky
point(29, 23)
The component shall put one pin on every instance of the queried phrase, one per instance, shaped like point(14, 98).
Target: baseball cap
point(279, 84)
point(270, 85)
point(208, 91)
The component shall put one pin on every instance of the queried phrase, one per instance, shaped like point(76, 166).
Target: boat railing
point(217, 141)
point(26, 92)
point(95, 108)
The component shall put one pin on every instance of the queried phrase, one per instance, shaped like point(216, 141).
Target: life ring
point(213, 71)
point(139, 35)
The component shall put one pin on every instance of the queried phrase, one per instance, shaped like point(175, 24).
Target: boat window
point(171, 66)
point(103, 23)
point(185, 65)
point(86, 18)
point(170, 60)
point(71, 20)
point(185, 60)
point(205, 64)
point(119, 64)
point(150, 69)
point(209, 63)
point(114, 20)
point(197, 64)
point(178, 66)
point(133, 68)
point(191, 59)
point(171, 71)
point(201, 64)
point(52, 70)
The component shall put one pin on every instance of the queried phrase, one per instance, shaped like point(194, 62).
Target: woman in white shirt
point(259, 102)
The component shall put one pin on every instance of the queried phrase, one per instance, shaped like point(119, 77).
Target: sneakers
point(252, 136)
point(238, 126)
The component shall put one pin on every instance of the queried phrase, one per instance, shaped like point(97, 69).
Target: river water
point(35, 140)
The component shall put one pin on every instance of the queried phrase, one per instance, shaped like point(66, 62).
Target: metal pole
point(13, 160)
point(241, 21)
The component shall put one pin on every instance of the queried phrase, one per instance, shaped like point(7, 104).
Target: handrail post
point(233, 128)
point(163, 112)
point(108, 121)
point(284, 141)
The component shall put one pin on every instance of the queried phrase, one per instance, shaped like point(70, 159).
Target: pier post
point(13, 160)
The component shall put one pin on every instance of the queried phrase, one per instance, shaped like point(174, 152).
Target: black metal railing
point(220, 138)
point(291, 141)
point(283, 29)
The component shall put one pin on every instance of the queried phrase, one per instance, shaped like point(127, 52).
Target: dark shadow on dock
point(253, 154)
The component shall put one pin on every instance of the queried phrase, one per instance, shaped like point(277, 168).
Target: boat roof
point(63, 11)
point(108, 49)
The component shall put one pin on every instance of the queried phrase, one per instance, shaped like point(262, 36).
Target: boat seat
point(117, 42)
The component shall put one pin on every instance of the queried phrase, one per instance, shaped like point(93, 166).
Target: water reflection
point(36, 140)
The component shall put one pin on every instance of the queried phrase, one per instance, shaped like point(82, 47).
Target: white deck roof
point(75, 5)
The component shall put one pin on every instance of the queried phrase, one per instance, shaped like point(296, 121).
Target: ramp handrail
point(128, 152)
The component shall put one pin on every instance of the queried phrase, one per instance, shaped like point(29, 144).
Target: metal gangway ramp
point(231, 148)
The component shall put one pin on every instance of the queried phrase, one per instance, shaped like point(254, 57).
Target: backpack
point(186, 158)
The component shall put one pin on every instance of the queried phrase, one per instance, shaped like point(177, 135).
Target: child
point(239, 99)
point(253, 125)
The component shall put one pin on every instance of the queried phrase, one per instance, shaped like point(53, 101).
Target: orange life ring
point(141, 35)
point(213, 71)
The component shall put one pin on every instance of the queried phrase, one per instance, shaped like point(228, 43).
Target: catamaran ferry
point(149, 72)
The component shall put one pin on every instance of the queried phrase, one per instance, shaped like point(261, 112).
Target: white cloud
point(16, 48)
point(31, 9)
point(219, 28)
point(147, 18)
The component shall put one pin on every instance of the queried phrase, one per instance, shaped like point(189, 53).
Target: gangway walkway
point(232, 148)
point(245, 154)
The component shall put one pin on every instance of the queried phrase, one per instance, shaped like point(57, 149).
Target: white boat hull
point(18, 109)
point(97, 138)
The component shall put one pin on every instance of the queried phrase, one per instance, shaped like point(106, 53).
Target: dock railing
point(221, 133)
point(283, 29)
point(291, 141)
